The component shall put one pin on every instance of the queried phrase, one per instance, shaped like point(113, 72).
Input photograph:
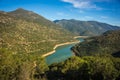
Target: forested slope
point(108, 43)
point(26, 35)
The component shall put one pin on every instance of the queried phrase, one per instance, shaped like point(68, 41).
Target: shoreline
point(81, 37)
point(58, 45)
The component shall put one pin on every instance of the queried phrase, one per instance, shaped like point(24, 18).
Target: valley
point(35, 48)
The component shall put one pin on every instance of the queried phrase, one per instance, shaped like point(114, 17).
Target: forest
point(104, 66)
point(32, 67)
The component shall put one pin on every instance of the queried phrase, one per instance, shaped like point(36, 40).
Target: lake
point(61, 53)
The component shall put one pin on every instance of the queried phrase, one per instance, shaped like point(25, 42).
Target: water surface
point(61, 53)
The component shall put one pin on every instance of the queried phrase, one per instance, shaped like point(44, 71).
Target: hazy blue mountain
point(85, 28)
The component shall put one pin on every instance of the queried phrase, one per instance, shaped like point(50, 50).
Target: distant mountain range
point(85, 28)
point(23, 31)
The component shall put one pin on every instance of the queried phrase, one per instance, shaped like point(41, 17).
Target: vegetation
point(100, 45)
point(21, 66)
point(85, 28)
point(21, 33)
point(86, 68)
point(32, 67)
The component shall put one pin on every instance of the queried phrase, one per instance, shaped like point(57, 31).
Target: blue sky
point(107, 11)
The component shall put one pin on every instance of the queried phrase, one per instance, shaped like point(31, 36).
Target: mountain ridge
point(85, 28)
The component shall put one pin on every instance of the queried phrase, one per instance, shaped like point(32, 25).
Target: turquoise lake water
point(61, 53)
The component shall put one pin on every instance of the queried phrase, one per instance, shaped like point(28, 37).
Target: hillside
point(108, 43)
point(23, 31)
point(31, 16)
point(85, 28)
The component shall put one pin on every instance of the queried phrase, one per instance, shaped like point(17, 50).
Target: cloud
point(85, 4)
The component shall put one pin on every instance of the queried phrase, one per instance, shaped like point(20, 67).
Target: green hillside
point(85, 28)
point(31, 16)
point(108, 43)
point(23, 34)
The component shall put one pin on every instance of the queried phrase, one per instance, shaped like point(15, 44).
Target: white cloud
point(85, 4)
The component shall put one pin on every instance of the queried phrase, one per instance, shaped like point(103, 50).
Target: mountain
point(31, 17)
point(85, 28)
point(108, 43)
point(23, 31)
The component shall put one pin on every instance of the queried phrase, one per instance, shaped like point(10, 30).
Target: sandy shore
point(51, 52)
point(81, 37)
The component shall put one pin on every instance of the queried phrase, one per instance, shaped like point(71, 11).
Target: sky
point(107, 11)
